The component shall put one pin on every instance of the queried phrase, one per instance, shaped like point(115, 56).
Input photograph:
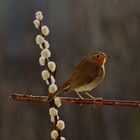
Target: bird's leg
point(79, 95)
point(92, 97)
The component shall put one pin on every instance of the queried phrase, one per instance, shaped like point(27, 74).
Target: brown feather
point(84, 73)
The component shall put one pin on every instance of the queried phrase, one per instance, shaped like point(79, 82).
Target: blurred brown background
point(76, 28)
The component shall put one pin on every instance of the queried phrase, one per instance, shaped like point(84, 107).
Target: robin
point(87, 75)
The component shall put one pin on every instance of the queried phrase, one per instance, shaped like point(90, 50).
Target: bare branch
point(68, 100)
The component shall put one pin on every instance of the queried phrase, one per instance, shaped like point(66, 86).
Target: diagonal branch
point(68, 100)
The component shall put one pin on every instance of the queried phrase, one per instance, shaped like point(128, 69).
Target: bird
point(87, 75)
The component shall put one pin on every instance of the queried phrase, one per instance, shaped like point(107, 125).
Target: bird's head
point(98, 58)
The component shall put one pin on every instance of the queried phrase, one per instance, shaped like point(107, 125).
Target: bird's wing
point(83, 74)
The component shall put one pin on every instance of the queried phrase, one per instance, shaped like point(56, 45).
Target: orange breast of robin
point(99, 60)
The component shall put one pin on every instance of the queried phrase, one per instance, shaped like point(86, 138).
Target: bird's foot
point(94, 98)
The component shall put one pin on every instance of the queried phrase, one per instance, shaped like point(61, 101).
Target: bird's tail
point(61, 89)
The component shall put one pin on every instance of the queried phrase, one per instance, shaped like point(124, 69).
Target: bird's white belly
point(87, 87)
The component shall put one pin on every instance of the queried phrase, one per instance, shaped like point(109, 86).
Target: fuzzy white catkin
point(57, 117)
point(53, 111)
point(57, 101)
point(52, 80)
point(54, 134)
point(45, 75)
point(62, 138)
point(41, 46)
point(39, 15)
point(51, 66)
point(60, 124)
point(45, 53)
point(52, 88)
point(52, 119)
point(36, 23)
point(45, 30)
point(47, 82)
point(42, 61)
point(39, 39)
point(46, 44)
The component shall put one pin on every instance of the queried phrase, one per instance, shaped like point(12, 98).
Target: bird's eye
point(98, 56)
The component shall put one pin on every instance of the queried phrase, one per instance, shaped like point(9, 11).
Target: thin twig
point(52, 104)
point(68, 100)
